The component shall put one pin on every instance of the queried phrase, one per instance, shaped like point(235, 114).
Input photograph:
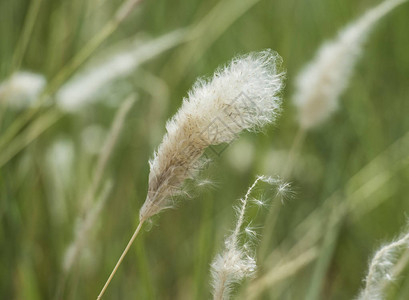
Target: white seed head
point(22, 89)
point(243, 95)
point(322, 81)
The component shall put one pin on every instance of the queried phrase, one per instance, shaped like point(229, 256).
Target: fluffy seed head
point(320, 84)
point(243, 95)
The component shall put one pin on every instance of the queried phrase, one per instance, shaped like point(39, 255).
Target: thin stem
point(107, 150)
point(81, 238)
point(282, 271)
point(294, 152)
point(272, 217)
point(36, 129)
point(26, 34)
point(243, 209)
point(121, 259)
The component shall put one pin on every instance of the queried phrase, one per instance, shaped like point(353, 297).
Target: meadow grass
point(350, 177)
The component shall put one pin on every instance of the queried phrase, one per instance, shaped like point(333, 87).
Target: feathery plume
point(243, 95)
point(381, 269)
point(237, 261)
point(84, 87)
point(320, 84)
point(22, 89)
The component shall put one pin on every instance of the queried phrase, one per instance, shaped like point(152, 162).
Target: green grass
point(171, 260)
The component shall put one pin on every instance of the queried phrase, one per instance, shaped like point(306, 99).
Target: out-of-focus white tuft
point(243, 95)
point(237, 261)
point(382, 269)
point(21, 89)
point(320, 84)
point(85, 87)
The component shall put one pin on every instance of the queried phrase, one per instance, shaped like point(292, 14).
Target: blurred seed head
point(22, 89)
point(321, 83)
point(84, 88)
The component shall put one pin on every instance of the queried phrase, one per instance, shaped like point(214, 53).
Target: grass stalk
point(273, 214)
point(203, 249)
point(145, 271)
point(81, 238)
point(16, 126)
point(211, 27)
point(121, 258)
point(24, 139)
point(107, 150)
point(326, 252)
point(294, 151)
point(26, 33)
point(281, 272)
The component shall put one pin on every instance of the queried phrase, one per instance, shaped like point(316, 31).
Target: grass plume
point(243, 95)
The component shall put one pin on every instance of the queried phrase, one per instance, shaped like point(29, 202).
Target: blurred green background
point(44, 182)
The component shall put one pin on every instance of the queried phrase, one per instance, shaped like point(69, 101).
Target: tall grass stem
point(29, 23)
point(121, 259)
